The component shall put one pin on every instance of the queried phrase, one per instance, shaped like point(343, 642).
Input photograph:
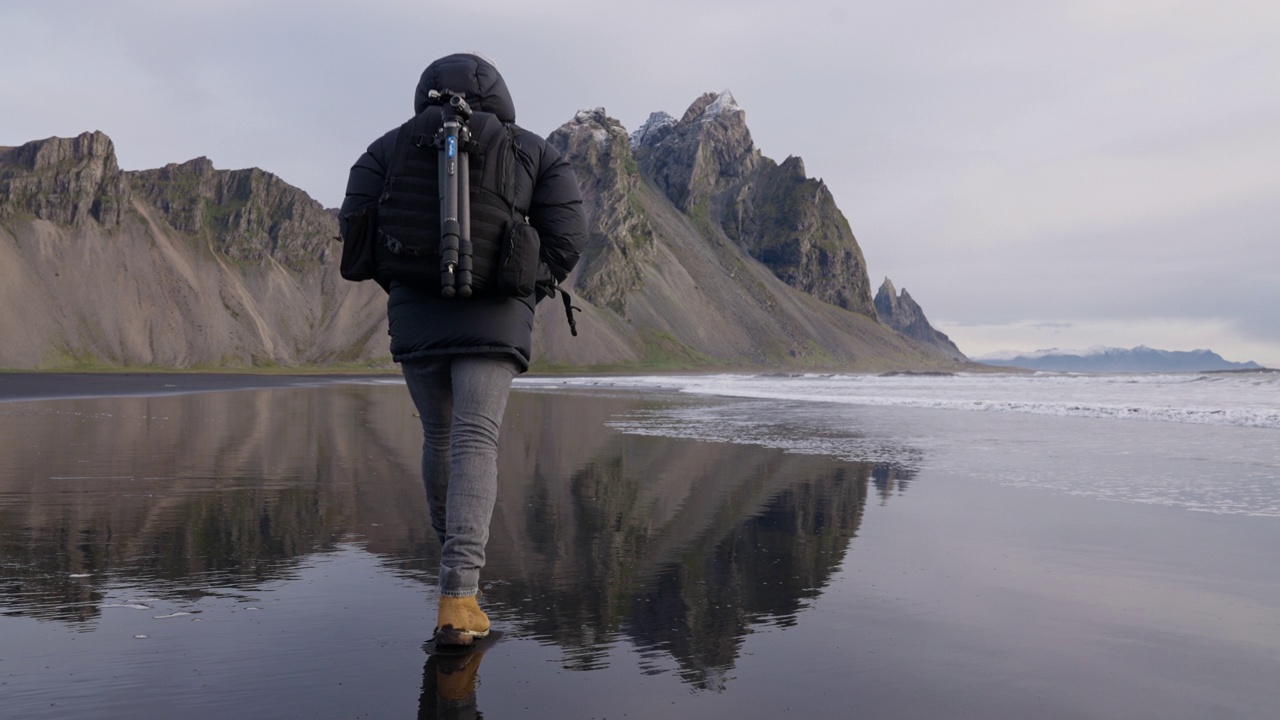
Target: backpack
point(503, 257)
point(400, 238)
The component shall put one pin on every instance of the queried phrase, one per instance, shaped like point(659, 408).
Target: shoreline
point(63, 385)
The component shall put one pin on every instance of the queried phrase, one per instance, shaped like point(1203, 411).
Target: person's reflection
point(449, 686)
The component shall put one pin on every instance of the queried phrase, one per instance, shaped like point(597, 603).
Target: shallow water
point(1207, 442)
point(264, 552)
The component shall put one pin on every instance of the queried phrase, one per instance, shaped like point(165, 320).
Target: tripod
point(455, 195)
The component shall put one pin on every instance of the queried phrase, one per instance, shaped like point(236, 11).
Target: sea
point(1207, 442)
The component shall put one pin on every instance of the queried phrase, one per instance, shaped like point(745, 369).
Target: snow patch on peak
point(653, 129)
point(723, 103)
point(597, 121)
point(594, 115)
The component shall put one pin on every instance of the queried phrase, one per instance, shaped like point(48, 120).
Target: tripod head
point(455, 100)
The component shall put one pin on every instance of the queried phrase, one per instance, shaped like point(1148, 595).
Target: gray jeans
point(461, 399)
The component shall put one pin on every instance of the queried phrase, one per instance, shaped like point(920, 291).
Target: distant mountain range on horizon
point(1138, 359)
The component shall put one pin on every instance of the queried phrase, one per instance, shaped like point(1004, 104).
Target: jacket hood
point(470, 74)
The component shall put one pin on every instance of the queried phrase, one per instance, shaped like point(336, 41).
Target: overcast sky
point(1036, 174)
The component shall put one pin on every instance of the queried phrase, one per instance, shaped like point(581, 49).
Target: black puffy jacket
point(423, 324)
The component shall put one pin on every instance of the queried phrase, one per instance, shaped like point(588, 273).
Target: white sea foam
point(1240, 400)
point(757, 423)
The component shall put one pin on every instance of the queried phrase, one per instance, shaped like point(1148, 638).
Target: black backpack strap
point(411, 133)
point(512, 166)
point(549, 288)
point(398, 153)
point(568, 312)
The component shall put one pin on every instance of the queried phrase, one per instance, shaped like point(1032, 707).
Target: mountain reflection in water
point(677, 547)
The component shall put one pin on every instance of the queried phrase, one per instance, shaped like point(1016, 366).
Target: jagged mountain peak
point(600, 150)
point(654, 130)
point(620, 238)
point(712, 106)
point(64, 180)
point(707, 166)
point(887, 290)
point(901, 312)
point(896, 309)
point(794, 165)
point(595, 121)
point(693, 244)
point(252, 214)
point(50, 152)
point(196, 166)
point(706, 151)
point(603, 128)
point(886, 302)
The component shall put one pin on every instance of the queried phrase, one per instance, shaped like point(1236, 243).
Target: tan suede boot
point(460, 621)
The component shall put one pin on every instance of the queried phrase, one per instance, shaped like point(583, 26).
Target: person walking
point(459, 354)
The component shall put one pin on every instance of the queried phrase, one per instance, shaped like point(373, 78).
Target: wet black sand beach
point(45, 386)
point(264, 553)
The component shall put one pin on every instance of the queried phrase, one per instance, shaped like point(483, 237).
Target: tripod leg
point(464, 224)
point(449, 228)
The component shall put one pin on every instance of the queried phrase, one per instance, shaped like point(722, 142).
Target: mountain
point(902, 313)
point(707, 165)
point(183, 267)
point(701, 252)
point(1106, 359)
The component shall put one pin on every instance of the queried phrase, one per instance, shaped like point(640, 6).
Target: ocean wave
point(1198, 416)
point(1237, 400)
point(742, 425)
